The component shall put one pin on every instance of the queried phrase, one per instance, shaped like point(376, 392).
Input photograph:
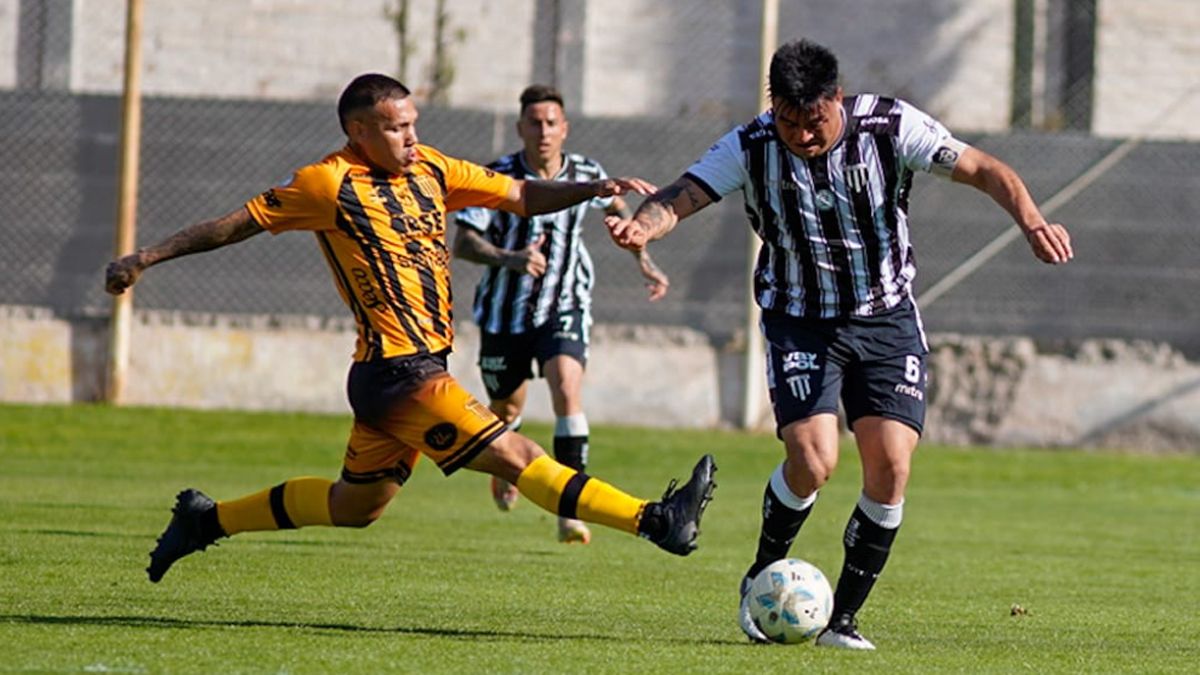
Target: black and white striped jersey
point(507, 301)
point(834, 228)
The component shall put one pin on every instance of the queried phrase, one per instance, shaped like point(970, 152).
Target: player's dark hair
point(802, 73)
point(540, 93)
point(365, 91)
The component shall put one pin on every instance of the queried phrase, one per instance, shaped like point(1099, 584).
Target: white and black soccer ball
point(790, 601)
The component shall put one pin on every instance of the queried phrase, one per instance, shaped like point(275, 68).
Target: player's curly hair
point(539, 93)
point(802, 73)
point(365, 91)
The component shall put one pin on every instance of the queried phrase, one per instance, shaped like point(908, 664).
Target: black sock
point(867, 545)
point(571, 451)
point(780, 525)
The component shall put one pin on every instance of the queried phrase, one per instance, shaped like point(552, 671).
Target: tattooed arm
point(658, 215)
point(205, 236)
point(470, 245)
point(657, 281)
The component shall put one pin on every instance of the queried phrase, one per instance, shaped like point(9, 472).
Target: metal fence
point(202, 155)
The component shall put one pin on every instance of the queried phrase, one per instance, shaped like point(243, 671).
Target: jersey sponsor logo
point(493, 363)
point(800, 361)
point(878, 123)
point(909, 390)
point(800, 386)
point(441, 436)
point(416, 255)
point(366, 289)
point(272, 199)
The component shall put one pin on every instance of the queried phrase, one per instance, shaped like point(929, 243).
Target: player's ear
point(566, 126)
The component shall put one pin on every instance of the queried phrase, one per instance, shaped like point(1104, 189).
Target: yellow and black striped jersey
point(384, 237)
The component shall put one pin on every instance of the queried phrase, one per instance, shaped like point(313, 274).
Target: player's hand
point(614, 187)
point(629, 234)
point(1051, 243)
point(530, 259)
point(656, 280)
point(123, 273)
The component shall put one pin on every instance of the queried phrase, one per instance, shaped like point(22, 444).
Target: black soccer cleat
point(186, 533)
point(678, 512)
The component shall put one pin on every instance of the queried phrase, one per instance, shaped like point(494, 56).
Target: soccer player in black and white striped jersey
point(825, 178)
point(534, 299)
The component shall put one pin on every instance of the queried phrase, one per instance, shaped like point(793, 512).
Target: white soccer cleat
point(745, 621)
point(571, 531)
point(843, 634)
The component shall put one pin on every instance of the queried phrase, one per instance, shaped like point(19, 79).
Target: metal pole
point(753, 370)
point(127, 199)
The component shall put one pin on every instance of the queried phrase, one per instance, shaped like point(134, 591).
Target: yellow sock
point(299, 502)
point(568, 493)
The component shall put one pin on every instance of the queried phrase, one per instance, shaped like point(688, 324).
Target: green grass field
point(1102, 550)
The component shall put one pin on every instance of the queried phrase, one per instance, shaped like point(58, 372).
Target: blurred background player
point(534, 299)
point(826, 179)
point(377, 208)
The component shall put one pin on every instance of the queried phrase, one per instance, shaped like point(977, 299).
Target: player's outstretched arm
point(531, 197)
point(658, 215)
point(657, 281)
point(205, 236)
point(1050, 242)
point(470, 245)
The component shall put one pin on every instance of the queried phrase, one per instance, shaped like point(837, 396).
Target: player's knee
point(809, 465)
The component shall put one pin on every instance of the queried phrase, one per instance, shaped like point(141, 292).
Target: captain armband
point(946, 157)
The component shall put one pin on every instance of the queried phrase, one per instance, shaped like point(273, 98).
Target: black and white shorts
point(506, 359)
point(875, 365)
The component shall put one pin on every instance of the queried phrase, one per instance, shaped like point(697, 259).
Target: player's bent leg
point(360, 504)
point(886, 447)
point(197, 521)
point(564, 375)
point(508, 409)
point(673, 523)
point(812, 452)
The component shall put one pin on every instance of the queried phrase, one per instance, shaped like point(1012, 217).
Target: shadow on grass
point(166, 622)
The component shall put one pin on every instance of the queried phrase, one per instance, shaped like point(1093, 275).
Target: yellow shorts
point(410, 406)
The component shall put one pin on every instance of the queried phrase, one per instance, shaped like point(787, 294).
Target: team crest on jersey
point(856, 177)
point(824, 200)
point(441, 436)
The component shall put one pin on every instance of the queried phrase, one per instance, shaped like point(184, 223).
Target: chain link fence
point(649, 86)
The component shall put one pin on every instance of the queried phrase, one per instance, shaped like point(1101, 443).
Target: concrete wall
point(983, 391)
point(674, 57)
point(1148, 69)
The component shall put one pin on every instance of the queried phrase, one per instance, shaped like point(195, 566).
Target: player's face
point(813, 131)
point(543, 128)
point(387, 135)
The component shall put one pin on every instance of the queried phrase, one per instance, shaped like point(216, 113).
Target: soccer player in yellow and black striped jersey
point(378, 211)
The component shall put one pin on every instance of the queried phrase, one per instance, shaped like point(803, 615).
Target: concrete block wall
point(990, 391)
point(954, 58)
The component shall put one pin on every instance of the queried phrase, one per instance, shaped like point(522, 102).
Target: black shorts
point(506, 359)
point(875, 364)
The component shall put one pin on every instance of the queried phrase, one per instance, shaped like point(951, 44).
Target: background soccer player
point(534, 299)
point(825, 179)
point(377, 209)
